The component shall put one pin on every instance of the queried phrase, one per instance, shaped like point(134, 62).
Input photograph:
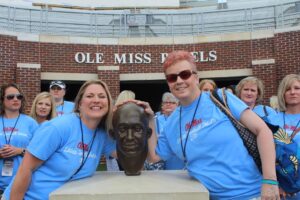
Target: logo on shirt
point(10, 129)
point(83, 146)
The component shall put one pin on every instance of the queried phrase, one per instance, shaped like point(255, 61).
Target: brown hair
point(106, 122)
point(2, 96)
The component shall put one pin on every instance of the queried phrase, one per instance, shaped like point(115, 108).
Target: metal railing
point(147, 23)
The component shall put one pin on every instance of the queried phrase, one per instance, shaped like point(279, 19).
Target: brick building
point(32, 60)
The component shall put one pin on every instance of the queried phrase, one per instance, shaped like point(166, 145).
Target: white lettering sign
point(139, 58)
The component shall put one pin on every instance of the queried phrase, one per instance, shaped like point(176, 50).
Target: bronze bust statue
point(131, 131)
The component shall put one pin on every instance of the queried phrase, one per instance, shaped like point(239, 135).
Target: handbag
point(249, 138)
point(287, 156)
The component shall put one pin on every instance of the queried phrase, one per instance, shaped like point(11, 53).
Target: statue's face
point(131, 130)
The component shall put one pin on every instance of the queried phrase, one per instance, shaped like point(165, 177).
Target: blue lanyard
point(84, 159)
point(8, 140)
point(183, 147)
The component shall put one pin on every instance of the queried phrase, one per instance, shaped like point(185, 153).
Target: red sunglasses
point(184, 75)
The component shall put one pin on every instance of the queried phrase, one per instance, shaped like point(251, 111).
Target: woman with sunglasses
point(201, 135)
point(16, 130)
point(77, 142)
point(43, 107)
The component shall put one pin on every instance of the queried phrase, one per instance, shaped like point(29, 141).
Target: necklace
point(84, 158)
point(183, 147)
point(8, 140)
point(294, 130)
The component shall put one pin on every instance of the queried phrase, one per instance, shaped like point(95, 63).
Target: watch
point(23, 152)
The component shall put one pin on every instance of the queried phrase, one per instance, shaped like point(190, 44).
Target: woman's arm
point(266, 149)
point(23, 176)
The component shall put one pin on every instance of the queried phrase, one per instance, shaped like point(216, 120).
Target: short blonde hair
point(39, 97)
point(125, 95)
point(284, 85)
point(274, 102)
point(253, 80)
point(106, 122)
point(210, 81)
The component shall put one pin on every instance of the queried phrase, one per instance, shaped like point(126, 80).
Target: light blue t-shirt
point(58, 143)
point(264, 114)
point(65, 108)
point(20, 137)
point(289, 122)
point(215, 152)
point(173, 162)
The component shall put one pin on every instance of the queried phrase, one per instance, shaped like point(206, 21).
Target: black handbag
point(249, 138)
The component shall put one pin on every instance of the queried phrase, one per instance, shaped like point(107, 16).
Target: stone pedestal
point(150, 185)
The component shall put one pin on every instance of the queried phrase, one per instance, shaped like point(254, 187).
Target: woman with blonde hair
point(77, 141)
point(251, 91)
point(124, 96)
point(207, 85)
point(288, 117)
point(43, 107)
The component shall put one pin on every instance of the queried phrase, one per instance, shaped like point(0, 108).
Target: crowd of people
point(189, 133)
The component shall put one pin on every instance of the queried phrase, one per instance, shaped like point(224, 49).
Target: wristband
point(269, 182)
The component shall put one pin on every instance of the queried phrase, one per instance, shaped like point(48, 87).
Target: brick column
point(111, 76)
point(28, 77)
point(8, 58)
point(266, 71)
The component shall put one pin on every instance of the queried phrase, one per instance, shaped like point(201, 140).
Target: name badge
point(8, 166)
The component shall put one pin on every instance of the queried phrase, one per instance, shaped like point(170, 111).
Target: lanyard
point(183, 147)
point(8, 140)
point(294, 131)
point(84, 159)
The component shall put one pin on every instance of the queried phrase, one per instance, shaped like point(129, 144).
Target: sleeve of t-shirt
point(45, 142)
point(271, 111)
point(236, 105)
point(163, 149)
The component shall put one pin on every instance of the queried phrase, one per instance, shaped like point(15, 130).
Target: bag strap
point(222, 104)
point(265, 111)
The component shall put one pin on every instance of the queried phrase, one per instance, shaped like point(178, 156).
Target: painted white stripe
point(29, 65)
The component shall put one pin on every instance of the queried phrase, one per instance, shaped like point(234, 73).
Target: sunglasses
point(12, 96)
point(184, 75)
point(55, 88)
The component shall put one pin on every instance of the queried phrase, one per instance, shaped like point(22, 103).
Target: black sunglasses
point(12, 96)
point(184, 75)
point(56, 88)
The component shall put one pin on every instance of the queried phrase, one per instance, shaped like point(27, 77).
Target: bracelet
point(269, 182)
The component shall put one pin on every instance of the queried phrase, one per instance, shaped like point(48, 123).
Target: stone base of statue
point(164, 184)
